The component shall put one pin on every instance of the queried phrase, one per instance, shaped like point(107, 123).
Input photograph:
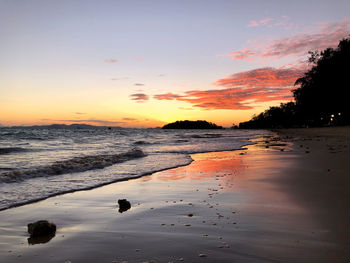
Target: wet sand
point(276, 201)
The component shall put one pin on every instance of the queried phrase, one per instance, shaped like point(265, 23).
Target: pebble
point(202, 255)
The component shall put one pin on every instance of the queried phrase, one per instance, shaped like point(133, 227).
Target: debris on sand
point(41, 228)
point(124, 205)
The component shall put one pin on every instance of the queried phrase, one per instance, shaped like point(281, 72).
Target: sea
point(42, 161)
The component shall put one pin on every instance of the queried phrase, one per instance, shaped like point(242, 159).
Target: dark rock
point(124, 205)
point(41, 228)
point(190, 215)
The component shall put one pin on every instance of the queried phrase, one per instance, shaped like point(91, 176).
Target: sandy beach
point(284, 199)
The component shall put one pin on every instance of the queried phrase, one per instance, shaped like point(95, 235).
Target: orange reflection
point(220, 165)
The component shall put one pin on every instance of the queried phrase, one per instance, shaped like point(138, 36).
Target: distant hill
point(66, 126)
point(191, 125)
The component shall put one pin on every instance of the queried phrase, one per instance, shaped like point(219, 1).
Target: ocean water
point(39, 162)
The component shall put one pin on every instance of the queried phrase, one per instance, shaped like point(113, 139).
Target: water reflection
point(40, 240)
point(224, 165)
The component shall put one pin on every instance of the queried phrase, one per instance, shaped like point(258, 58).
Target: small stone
point(190, 215)
point(188, 225)
point(41, 228)
point(124, 205)
point(181, 259)
point(202, 255)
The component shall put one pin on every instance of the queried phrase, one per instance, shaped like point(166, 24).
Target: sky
point(147, 63)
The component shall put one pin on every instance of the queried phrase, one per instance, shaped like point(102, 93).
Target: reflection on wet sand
point(40, 240)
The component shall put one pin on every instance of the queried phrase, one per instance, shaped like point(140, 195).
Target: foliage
point(191, 125)
point(321, 98)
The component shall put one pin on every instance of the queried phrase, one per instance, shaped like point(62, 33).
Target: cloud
point(130, 119)
point(139, 97)
point(112, 60)
point(266, 20)
point(253, 23)
point(119, 78)
point(262, 77)
point(242, 90)
point(139, 84)
point(80, 113)
point(167, 96)
point(328, 35)
point(233, 98)
point(262, 22)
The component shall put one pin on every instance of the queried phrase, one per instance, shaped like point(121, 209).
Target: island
point(191, 125)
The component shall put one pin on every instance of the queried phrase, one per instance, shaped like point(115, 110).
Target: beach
point(283, 199)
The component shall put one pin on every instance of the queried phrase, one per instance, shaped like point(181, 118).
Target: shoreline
point(246, 205)
point(243, 147)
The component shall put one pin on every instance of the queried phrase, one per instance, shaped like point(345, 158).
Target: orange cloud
point(167, 96)
point(299, 45)
point(262, 77)
point(233, 98)
point(242, 90)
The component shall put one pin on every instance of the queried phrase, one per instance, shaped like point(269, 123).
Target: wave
point(206, 135)
point(76, 164)
point(8, 150)
point(141, 143)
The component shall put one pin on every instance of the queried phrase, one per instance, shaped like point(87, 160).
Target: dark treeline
point(191, 125)
point(322, 97)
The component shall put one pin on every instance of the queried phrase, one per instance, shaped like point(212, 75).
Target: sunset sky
point(147, 63)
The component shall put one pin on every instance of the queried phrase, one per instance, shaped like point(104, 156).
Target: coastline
point(255, 205)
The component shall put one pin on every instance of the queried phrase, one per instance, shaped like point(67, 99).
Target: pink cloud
point(261, 22)
point(112, 60)
point(298, 45)
point(242, 89)
point(266, 20)
point(253, 23)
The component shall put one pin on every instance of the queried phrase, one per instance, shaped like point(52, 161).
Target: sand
point(276, 201)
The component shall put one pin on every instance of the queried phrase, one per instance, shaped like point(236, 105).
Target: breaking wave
point(76, 164)
point(8, 150)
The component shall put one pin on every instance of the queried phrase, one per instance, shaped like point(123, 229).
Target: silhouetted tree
point(191, 125)
point(323, 93)
point(322, 97)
